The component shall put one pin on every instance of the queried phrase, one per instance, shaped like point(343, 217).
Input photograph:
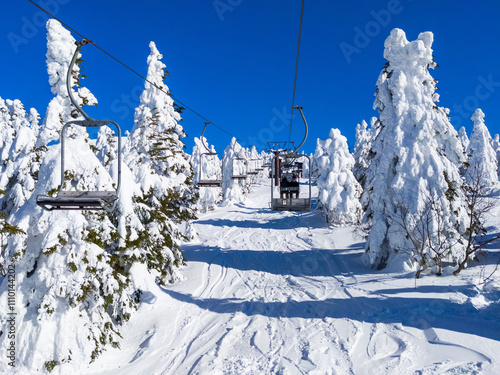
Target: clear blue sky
point(233, 60)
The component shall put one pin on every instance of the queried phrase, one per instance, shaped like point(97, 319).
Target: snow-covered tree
point(495, 143)
point(361, 153)
point(482, 156)
point(339, 192)
point(161, 168)
point(20, 158)
point(60, 110)
point(210, 168)
point(362, 142)
point(416, 159)
point(462, 135)
point(234, 164)
point(72, 286)
point(7, 132)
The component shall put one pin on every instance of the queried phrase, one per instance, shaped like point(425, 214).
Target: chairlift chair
point(260, 165)
point(254, 171)
point(207, 182)
point(82, 200)
point(240, 176)
point(288, 183)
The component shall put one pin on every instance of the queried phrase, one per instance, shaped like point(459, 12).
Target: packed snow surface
point(284, 293)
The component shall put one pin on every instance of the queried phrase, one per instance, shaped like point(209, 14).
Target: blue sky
point(233, 61)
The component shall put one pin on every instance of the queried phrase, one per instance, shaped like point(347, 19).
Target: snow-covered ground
point(284, 293)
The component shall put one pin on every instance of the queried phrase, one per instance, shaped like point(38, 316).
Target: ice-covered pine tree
point(18, 171)
point(161, 168)
point(60, 109)
point(416, 160)
point(495, 143)
point(482, 156)
point(19, 157)
point(362, 149)
point(7, 132)
point(339, 192)
point(462, 135)
point(72, 288)
point(234, 165)
point(206, 167)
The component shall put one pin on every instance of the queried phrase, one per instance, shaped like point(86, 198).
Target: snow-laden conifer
point(361, 153)
point(495, 143)
point(20, 160)
point(206, 167)
point(161, 168)
point(416, 159)
point(60, 110)
point(482, 156)
point(339, 192)
point(7, 132)
point(462, 135)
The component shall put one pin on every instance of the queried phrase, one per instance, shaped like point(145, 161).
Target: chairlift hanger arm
point(201, 138)
point(79, 45)
point(307, 129)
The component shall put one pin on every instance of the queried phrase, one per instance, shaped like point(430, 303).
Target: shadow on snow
point(410, 312)
point(311, 262)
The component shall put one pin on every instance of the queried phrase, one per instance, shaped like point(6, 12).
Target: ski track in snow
point(283, 293)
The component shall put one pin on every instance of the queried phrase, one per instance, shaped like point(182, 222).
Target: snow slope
point(283, 293)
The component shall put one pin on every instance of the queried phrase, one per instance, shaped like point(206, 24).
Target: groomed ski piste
point(285, 293)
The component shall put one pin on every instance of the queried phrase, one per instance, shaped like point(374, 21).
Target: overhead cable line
point(296, 69)
point(131, 69)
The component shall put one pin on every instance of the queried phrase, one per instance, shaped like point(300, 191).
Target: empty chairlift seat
point(202, 180)
point(82, 200)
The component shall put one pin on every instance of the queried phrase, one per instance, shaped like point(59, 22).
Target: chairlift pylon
point(207, 182)
point(82, 200)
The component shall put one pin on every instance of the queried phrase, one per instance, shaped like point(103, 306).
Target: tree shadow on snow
point(314, 262)
point(411, 312)
point(468, 290)
point(282, 223)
